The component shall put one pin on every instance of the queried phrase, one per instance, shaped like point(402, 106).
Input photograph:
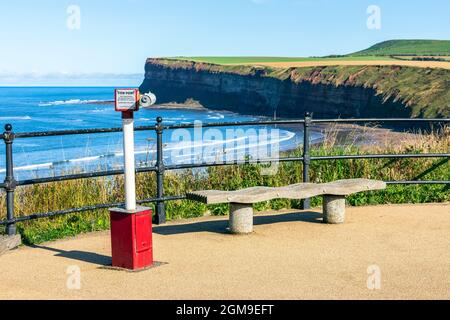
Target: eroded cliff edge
point(329, 92)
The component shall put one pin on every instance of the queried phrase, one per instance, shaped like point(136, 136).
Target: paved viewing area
point(290, 255)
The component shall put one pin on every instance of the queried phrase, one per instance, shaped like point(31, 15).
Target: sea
point(37, 109)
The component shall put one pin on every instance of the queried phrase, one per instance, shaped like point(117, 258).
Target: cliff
point(329, 92)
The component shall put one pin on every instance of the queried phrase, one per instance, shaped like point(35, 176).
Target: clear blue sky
point(116, 36)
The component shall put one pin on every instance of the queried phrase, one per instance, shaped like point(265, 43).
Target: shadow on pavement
point(218, 226)
point(221, 226)
point(89, 257)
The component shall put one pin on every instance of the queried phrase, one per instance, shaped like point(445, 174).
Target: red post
point(131, 238)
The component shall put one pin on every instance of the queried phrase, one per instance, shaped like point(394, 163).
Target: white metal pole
point(128, 151)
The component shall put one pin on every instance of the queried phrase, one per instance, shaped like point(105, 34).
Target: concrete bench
point(9, 242)
point(241, 201)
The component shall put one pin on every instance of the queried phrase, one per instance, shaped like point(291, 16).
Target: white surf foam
point(228, 146)
point(15, 118)
point(70, 101)
point(85, 159)
point(216, 116)
point(31, 167)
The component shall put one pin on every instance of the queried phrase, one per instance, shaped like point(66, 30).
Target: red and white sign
point(127, 100)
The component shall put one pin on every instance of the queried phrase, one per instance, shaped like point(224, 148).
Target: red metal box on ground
point(131, 238)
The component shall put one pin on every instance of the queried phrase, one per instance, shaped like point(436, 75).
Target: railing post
point(306, 155)
point(10, 182)
point(160, 216)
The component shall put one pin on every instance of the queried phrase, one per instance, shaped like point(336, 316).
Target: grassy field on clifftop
point(253, 60)
point(381, 51)
point(433, 54)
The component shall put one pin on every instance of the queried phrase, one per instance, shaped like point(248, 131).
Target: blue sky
point(116, 36)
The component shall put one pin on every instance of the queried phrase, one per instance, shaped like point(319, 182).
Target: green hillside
point(408, 47)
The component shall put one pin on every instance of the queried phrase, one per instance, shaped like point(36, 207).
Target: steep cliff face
point(362, 91)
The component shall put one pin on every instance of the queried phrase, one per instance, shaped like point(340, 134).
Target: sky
point(104, 40)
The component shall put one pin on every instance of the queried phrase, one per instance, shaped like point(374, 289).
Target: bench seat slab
point(293, 192)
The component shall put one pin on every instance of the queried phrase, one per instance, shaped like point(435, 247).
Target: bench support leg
point(241, 218)
point(333, 209)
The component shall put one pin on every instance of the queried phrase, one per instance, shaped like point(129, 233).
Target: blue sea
point(32, 109)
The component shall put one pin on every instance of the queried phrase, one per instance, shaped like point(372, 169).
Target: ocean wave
point(179, 118)
point(87, 159)
point(31, 167)
point(101, 110)
point(216, 116)
point(70, 101)
point(15, 118)
point(254, 142)
point(50, 165)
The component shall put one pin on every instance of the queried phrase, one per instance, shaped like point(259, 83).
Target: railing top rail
point(225, 124)
point(148, 128)
point(236, 123)
point(65, 132)
point(369, 120)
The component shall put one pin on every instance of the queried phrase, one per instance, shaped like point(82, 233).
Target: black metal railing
point(10, 184)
